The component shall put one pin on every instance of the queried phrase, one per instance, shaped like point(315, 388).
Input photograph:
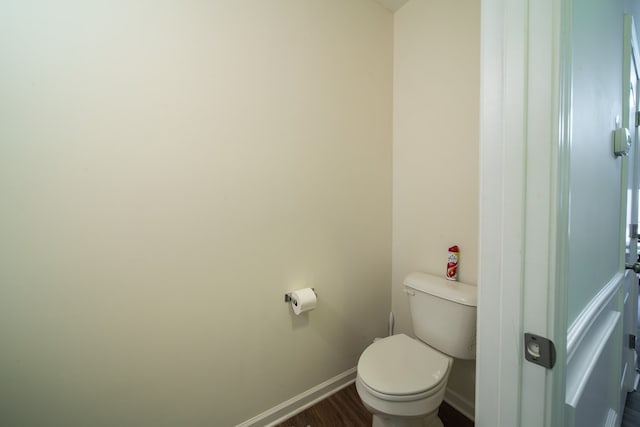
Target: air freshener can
point(452, 263)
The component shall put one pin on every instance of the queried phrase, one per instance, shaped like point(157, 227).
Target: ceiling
point(392, 5)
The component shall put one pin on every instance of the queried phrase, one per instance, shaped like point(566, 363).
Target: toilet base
point(430, 421)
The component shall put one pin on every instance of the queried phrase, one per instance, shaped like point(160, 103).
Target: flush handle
point(539, 350)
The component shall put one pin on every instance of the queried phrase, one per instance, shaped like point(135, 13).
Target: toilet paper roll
point(303, 300)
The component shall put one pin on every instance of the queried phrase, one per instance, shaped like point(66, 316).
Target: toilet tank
point(443, 313)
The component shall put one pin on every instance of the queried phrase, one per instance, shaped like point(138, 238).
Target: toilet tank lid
point(451, 290)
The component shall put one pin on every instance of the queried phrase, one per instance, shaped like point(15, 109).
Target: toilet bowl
point(402, 381)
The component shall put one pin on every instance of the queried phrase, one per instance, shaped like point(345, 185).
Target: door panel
point(593, 360)
point(597, 220)
point(595, 173)
point(600, 364)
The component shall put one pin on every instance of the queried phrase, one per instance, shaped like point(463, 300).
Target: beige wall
point(168, 170)
point(435, 149)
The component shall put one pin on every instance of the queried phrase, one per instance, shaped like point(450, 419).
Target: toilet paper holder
point(287, 296)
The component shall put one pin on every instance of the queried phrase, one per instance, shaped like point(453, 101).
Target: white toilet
point(402, 380)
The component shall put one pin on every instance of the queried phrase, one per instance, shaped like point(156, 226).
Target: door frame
point(525, 134)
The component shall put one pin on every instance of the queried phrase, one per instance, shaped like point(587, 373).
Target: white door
point(553, 213)
point(598, 286)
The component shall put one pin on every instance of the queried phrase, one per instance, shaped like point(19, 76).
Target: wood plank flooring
point(344, 409)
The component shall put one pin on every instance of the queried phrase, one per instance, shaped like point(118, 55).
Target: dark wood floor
point(345, 409)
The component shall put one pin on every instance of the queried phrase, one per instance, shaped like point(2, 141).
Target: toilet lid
point(399, 365)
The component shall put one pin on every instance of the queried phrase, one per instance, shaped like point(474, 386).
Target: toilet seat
point(400, 368)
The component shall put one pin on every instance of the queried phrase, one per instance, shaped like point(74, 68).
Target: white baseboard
point(304, 400)
point(460, 404)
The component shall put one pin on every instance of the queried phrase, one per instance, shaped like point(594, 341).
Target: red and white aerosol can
point(452, 263)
